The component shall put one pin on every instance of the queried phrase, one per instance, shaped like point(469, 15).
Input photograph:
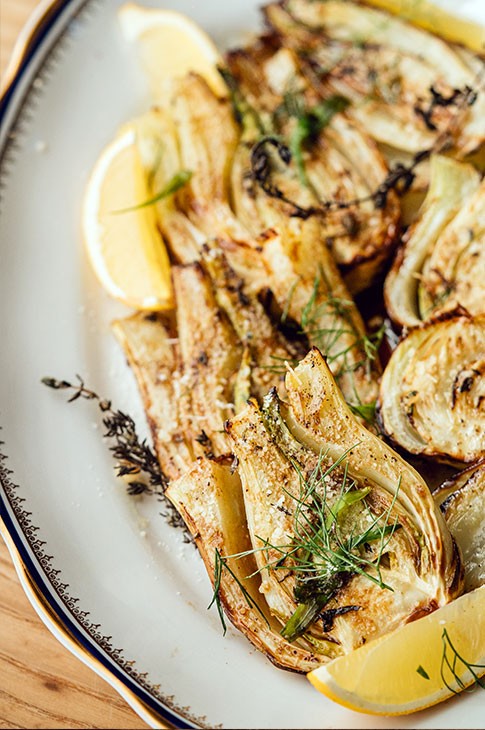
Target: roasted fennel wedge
point(343, 531)
point(195, 132)
point(263, 344)
point(436, 266)
point(209, 498)
point(309, 290)
point(461, 501)
point(199, 366)
point(150, 345)
point(432, 393)
point(407, 87)
point(301, 156)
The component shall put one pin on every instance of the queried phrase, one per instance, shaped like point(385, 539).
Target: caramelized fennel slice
point(320, 419)
point(273, 492)
point(449, 277)
point(210, 356)
point(148, 343)
point(186, 235)
point(461, 501)
point(308, 288)
point(182, 238)
point(270, 487)
point(346, 165)
point(208, 137)
point(432, 393)
point(336, 165)
point(387, 67)
point(364, 235)
point(263, 343)
point(317, 486)
point(439, 225)
point(209, 498)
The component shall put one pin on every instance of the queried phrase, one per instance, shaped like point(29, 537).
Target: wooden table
point(41, 683)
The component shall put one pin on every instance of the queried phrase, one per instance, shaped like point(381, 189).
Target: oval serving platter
point(110, 577)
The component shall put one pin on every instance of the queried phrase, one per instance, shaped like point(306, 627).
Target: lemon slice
point(435, 19)
point(170, 45)
point(405, 670)
point(123, 242)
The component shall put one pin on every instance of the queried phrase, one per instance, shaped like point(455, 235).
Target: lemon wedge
point(123, 242)
point(433, 18)
point(410, 668)
point(170, 45)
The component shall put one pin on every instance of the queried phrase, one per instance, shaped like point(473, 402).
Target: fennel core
point(328, 547)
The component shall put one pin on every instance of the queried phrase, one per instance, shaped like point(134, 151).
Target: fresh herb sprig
point(309, 124)
point(398, 180)
point(221, 564)
point(133, 456)
point(327, 553)
point(176, 182)
point(337, 339)
point(322, 555)
point(453, 663)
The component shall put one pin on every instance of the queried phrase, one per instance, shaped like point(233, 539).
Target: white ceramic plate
point(111, 571)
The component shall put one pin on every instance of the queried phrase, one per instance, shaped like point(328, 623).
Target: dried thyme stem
point(133, 456)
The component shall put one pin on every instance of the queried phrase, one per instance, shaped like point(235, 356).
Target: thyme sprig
point(133, 456)
point(399, 178)
point(455, 98)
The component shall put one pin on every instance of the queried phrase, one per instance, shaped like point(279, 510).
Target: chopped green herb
point(309, 124)
point(420, 670)
point(220, 564)
point(179, 180)
point(452, 663)
point(323, 553)
point(326, 321)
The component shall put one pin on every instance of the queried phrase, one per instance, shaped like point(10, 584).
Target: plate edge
point(40, 17)
point(62, 634)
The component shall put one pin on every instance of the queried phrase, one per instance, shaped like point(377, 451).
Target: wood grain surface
point(43, 685)
point(13, 15)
